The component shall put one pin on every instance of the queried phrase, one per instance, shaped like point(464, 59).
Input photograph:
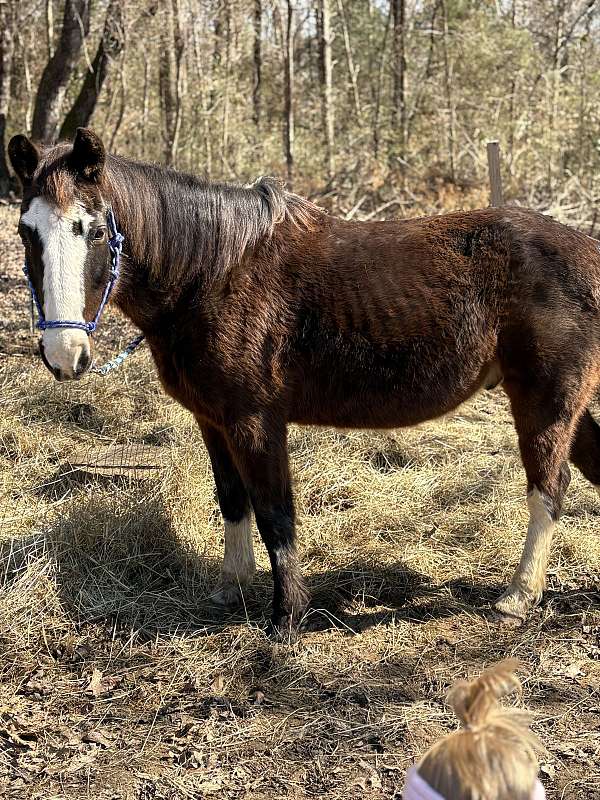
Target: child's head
point(492, 756)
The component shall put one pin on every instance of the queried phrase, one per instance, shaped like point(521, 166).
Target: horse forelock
point(55, 181)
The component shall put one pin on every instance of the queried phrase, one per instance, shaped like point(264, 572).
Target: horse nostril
point(83, 363)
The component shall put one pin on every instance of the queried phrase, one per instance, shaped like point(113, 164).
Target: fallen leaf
point(96, 737)
point(109, 682)
point(209, 787)
point(101, 684)
point(38, 684)
point(375, 780)
point(19, 738)
point(549, 770)
point(95, 685)
point(573, 670)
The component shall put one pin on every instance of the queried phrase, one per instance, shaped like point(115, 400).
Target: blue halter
point(115, 244)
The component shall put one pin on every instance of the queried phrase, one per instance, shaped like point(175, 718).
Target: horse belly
point(396, 385)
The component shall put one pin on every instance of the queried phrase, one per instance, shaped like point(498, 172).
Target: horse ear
point(88, 155)
point(24, 157)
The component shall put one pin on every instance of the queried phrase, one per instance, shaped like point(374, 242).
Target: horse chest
point(175, 374)
point(197, 380)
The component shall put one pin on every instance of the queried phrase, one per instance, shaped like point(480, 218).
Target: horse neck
point(183, 234)
point(153, 222)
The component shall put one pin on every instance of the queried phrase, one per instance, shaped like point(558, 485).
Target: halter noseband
point(115, 244)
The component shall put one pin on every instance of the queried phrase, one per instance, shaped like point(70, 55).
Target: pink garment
point(418, 789)
point(539, 793)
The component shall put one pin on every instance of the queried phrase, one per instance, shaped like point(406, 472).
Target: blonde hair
point(493, 756)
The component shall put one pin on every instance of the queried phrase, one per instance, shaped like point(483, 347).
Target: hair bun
point(472, 701)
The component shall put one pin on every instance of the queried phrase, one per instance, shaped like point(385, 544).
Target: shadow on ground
point(132, 568)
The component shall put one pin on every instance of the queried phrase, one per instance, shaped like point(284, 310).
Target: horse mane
point(178, 225)
point(182, 227)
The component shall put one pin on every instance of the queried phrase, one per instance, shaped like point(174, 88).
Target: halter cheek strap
point(418, 789)
point(115, 244)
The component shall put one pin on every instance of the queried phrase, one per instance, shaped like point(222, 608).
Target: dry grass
point(120, 680)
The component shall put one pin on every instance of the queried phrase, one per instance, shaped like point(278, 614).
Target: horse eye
point(99, 234)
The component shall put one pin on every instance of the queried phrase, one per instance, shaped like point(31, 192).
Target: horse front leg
point(259, 449)
point(238, 568)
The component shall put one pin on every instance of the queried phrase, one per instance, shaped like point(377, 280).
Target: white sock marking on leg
point(238, 561)
point(529, 580)
point(530, 575)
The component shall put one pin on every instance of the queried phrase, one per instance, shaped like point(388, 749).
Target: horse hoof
point(283, 630)
point(507, 620)
point(512, 607)
point(226, 595)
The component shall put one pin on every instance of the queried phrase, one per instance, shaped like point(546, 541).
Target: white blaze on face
point(64, 252)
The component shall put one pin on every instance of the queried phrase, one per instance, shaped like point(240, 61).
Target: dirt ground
point(120, 680)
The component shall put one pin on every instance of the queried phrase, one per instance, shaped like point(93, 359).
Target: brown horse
point(260, 309)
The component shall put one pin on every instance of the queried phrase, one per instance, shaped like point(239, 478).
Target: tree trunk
point(145, 104)
point(58, 70)
point(449, 94)
point(583, 144)
point(288, 105)
point(25, 53)
point(216, 56)
point(319, 37)
point(377, 112)
point(553, 126)
point(257, 53)
point(327, 84)
point(170, 79)
point(399, 99)
point(512, 96)
point(205, 110)
point(352, 68)
point(6, 54)
point(226, 89)
point(421, 84)
point(50, 27)
point(109, 48)
point(122, 106)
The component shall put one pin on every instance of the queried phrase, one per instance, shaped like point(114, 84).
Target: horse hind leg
point(529, 580)
point(546, 424)
point(585, 449)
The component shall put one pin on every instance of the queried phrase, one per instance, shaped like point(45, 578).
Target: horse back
point(396, 322)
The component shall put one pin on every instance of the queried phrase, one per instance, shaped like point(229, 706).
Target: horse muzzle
point(66, 353)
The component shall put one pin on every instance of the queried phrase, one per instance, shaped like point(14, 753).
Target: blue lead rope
point(118, 360)
point(115, 244)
